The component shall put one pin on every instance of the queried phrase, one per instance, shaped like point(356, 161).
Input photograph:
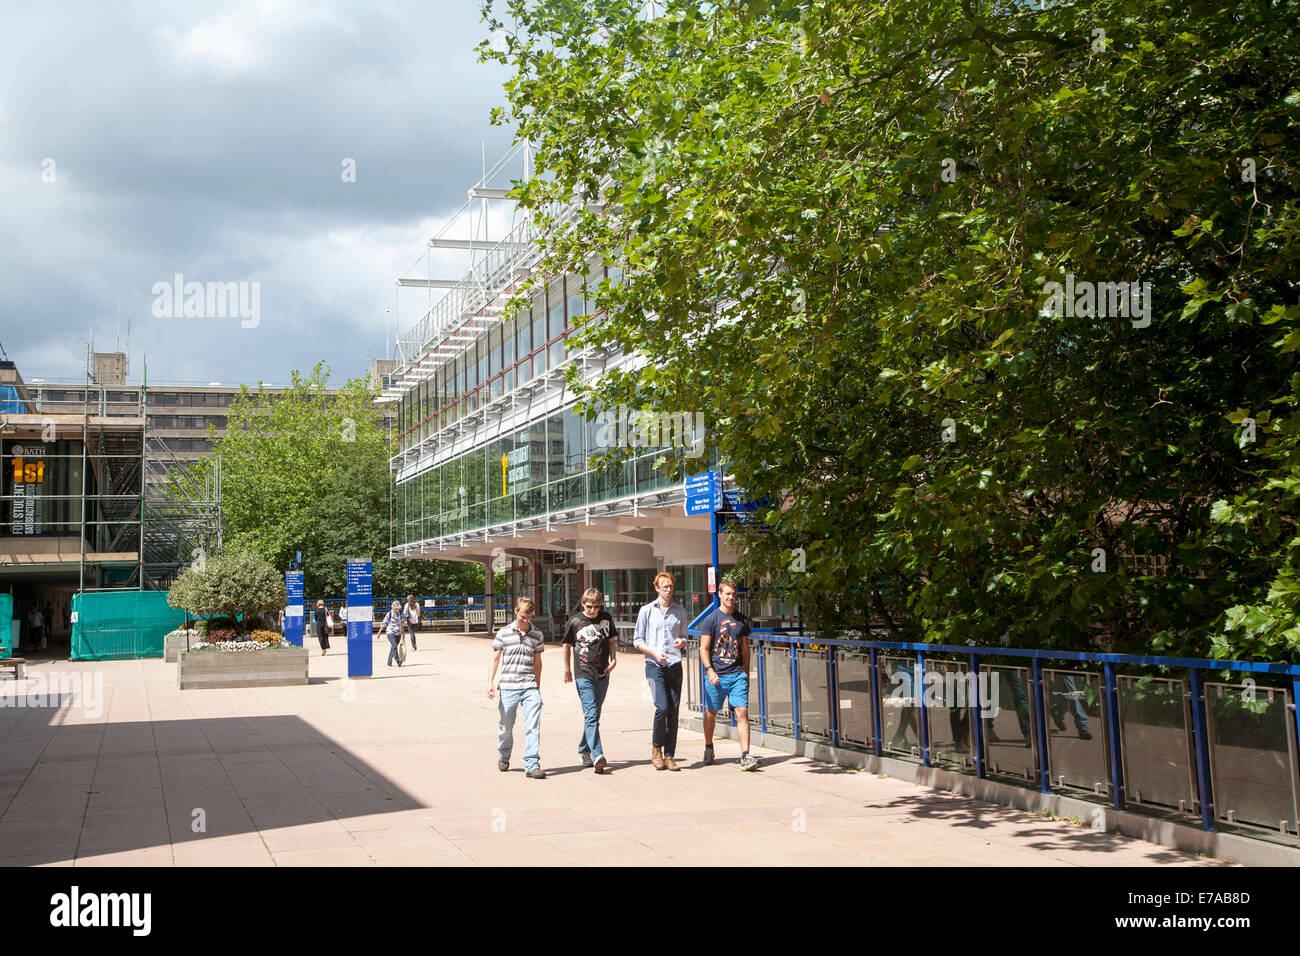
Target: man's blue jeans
point(508, 702)
point(592, 694)
point(666, 686)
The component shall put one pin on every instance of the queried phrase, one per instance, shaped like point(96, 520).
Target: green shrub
point(229, 585)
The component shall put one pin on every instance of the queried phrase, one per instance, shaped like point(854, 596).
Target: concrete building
point(85, 467)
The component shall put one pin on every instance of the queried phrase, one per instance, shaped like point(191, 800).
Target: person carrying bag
point(393, 626)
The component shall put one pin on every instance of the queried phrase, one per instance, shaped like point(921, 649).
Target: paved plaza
point(401, 770)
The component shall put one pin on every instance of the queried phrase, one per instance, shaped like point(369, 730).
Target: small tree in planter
point(230, 584)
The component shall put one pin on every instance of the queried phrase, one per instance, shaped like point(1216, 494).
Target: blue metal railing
point(1199, 730)
point(445, 607)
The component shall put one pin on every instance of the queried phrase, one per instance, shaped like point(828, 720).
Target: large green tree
point(306, 469)
point(837, 224)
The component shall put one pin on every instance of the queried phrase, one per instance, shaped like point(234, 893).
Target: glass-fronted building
point(493, 464)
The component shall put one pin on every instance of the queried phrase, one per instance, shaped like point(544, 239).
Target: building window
point(539, 325)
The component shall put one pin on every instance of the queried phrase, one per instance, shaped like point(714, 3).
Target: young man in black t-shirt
point(590, 633)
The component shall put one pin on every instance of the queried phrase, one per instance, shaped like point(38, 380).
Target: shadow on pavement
point(73, 789)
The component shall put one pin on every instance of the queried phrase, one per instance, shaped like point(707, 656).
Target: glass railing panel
point(1076, 737)
point(777, 690)
point(1008, 723)
point(1251, 731)
point(645, 473)
point(900, 714)
point(1154, 719)
point(853, 671)
point(947, 695)
point(814, 692)
point(691, 675)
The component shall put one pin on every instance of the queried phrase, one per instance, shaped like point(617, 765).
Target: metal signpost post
point(361, 617)
point(704, 496)
point(294, 611)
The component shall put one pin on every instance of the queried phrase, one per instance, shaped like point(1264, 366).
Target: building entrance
point(42, 609)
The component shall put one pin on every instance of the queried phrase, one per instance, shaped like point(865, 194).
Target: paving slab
point(401, 771)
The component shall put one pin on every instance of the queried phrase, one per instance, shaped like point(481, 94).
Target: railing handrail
point(780, 635)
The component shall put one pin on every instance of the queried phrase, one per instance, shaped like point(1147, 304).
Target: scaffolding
point(101, 495)
point(182, 515)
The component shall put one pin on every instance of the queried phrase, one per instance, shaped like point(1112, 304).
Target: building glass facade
point(544, 468)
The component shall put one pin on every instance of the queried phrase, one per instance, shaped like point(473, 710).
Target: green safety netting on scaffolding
point(6, 625)
point(115, 625)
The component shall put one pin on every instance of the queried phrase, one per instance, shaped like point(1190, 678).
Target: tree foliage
point(837, 222)
point(307, 470)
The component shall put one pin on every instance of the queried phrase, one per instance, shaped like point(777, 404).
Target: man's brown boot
point(657, 758)
point(671, 764)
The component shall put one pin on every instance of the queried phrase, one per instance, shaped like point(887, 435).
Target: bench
point(19, 664)
point(478, 617)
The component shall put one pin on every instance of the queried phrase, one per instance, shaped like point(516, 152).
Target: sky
point(297, 154)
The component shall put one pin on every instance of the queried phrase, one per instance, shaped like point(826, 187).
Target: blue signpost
point(294, 611)
point(361, 616)
point(704, 496)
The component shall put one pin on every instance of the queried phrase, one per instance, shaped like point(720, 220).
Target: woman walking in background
point(321, 617)
point(392, 626)
point(412, 612)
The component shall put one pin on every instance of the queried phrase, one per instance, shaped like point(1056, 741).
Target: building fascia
point(647, 508)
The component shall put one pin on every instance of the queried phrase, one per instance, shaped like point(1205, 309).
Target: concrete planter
point(274, 667)
point(173, 645)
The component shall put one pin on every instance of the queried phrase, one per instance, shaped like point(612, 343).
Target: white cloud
point(246, 36)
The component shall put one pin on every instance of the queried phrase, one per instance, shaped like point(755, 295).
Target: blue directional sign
point(703, 493)
point(740, 510)
point(294, 611)
point(361, 616)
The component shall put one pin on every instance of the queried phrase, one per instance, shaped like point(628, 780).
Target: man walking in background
point(412, 611)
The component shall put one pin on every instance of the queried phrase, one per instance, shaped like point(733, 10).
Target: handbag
point(329, 621)
point(401, 650)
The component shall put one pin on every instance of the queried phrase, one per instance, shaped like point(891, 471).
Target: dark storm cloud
point(209, 139)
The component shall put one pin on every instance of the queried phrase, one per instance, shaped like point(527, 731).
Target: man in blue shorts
point(724, 652)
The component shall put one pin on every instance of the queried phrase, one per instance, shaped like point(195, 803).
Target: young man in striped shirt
point(517, 672)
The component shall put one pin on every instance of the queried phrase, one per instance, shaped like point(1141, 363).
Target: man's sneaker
point(538, 774)
point(586, 759)
point(708, 755)
point(503, 765)
point(600, 765)
point(748, 763)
